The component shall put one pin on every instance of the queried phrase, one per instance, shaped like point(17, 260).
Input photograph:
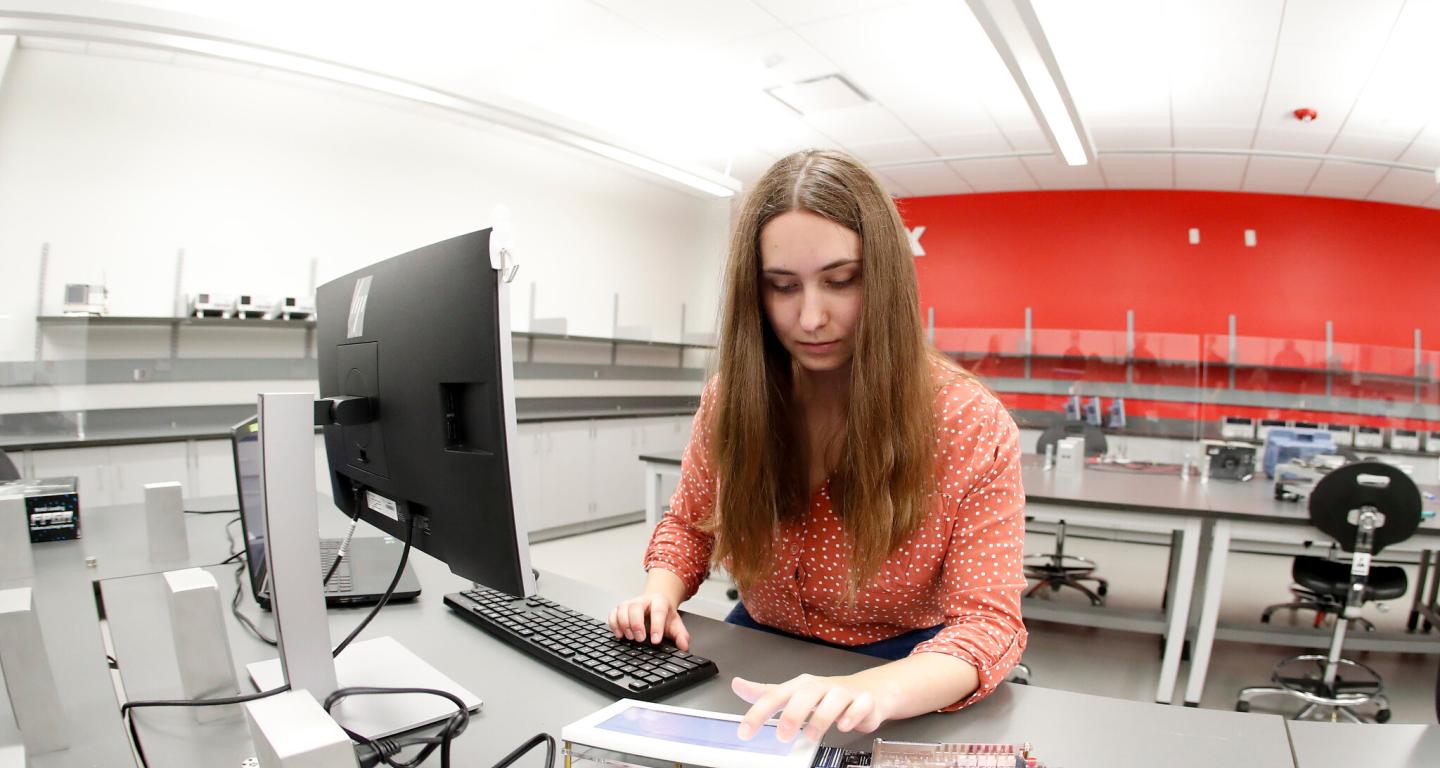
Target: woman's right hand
point(651, 617)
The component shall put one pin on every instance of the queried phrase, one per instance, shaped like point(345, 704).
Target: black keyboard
point(581, 646)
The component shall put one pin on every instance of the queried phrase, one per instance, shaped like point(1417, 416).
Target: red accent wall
point(1080, 259)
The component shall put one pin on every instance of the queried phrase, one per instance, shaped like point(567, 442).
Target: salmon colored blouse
point(961, 567)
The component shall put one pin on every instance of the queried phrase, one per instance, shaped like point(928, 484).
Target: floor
point(1098, 661)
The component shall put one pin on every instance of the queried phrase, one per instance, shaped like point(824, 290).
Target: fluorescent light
point(1015, 31)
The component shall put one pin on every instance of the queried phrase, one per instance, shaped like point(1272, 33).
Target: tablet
point(690, 736)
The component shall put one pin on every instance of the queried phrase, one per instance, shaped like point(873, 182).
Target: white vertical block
point(1250, 238)
point(1194, 235)
point(34, 697)
point(15, 558)
point(202, 649)
point(165, 522)
point(292, 730)
point(12, 756)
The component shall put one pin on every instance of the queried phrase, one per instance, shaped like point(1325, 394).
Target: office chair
point(1057, 569)
point(1365, 507)
point(7, 468)
point(1095, 444)
point(1314, 578)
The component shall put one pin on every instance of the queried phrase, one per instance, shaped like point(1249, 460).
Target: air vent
point(819, 94)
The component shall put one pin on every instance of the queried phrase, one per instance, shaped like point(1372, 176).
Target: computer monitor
point(245, 446)
point(424, 339)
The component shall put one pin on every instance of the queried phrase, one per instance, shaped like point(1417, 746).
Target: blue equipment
point(1285, 443)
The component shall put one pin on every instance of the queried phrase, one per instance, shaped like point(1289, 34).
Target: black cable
point(211, 511)
point(244, 620)
point(344, 547)
point(529, 745)
point(385, 598)
point(384, 750)
point(127, 707)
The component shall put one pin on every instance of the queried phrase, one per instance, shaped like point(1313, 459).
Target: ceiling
point(1194, 94)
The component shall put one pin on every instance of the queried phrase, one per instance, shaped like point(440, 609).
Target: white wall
point(118, 162)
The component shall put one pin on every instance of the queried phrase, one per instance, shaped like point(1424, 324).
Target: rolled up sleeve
point(982, 578)
point(678, 544)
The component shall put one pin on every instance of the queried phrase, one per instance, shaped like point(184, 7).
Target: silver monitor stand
point(287, 455)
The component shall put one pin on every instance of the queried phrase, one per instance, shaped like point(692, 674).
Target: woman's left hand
point(822, 701)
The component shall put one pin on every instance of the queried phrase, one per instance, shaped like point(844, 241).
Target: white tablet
point(690, 736)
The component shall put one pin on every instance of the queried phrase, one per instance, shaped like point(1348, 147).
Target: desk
point(65, 601)
point(1346, 745)
point(1186, 508)
point(1098, 500)
point(523, 697)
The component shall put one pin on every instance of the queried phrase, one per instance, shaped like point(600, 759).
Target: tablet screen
point(694, 730)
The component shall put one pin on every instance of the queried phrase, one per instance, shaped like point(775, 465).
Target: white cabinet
point(135, 466)
point(212, 469)
point(566, 471)
point(615, 490)
point(89, 466)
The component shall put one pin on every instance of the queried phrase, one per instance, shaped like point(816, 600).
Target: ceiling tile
point(1209, 135)
point(975, 143)
point(866, 124)
point(949, 80)
point(891, 151)
point(1138, 171)
point(1327, 50)
point(1426, 149)
point(1350, 180)
point(1279, 175)
point(691, 22)
point(1221, 52)
point(1130, 135)
point(1404, 187)
point(1371, 145)
point(1053, 173)
point(1006, 174)
point(895, 188)
point(795, 12)
point(1218, 172)
point(776, 58)
point(929, 180)
point(1028, 139)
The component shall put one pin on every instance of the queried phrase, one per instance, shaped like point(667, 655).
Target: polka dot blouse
point(960, 568)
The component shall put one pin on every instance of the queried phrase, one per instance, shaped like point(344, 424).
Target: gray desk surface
point(523, 697)
point(64, 599)
point(1152, 493)
point(1346, 745)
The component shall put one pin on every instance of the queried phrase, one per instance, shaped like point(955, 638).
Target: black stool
point(1057, 569)
point(1364, 507)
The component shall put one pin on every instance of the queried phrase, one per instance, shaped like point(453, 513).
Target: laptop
point(364, 573)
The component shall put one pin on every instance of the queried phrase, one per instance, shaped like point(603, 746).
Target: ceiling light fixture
point(1015, 31)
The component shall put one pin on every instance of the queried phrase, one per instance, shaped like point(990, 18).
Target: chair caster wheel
point(1265, 618)
point(1242, 706)
point(1383, 716)
point(1103, 590)
point(732, 593)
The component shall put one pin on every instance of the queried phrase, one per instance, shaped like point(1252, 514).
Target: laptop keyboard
point(581, 646)
point(340, 582)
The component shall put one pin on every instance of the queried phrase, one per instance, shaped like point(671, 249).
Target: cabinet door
point(565, 473)
point(135, 466)
point(617, 485)
point(212, 470)
point(527, 459)
point(90, 467)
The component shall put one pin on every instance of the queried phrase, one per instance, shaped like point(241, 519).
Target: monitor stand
point(287, 455)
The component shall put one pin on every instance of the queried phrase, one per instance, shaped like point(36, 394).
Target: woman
point(862, 490)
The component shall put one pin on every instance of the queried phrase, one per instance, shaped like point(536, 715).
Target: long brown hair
point(884, 477)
